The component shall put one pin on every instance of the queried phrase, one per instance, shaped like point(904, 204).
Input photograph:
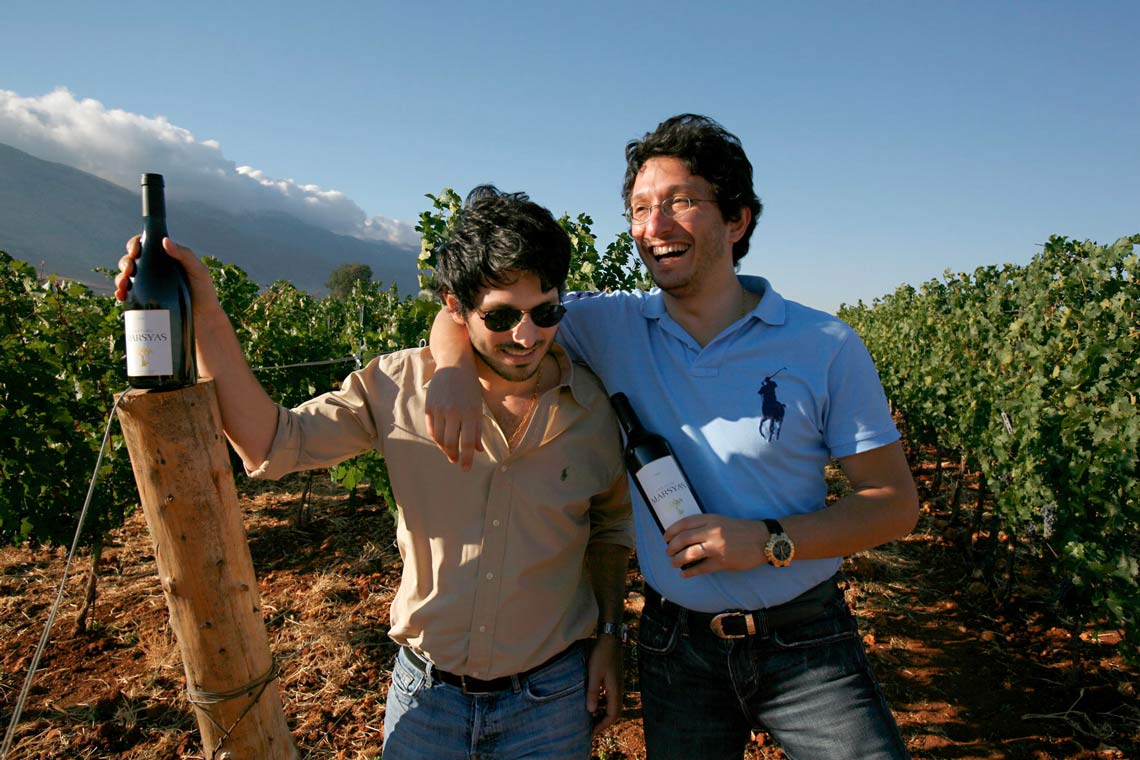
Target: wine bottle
point(655, 468)
point(157, 318)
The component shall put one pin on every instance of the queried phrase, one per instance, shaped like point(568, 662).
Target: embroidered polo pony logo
point(771, 409)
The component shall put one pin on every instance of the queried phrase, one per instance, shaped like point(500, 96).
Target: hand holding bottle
point(706, 543)
point(249, 416)
point(202, 290)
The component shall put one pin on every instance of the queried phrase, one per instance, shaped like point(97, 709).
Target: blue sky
point(890, 140)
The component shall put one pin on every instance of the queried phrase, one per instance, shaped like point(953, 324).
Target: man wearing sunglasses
point(509, 611)
point(745, 626)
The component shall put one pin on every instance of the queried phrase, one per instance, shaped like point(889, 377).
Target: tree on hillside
point(341, 280)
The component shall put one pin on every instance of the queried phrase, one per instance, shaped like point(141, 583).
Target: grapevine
point(1030, 375)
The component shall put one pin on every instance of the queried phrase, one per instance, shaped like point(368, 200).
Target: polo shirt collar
point(653, 307)
point(771, 310)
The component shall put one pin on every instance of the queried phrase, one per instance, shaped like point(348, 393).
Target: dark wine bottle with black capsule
point(157, 318)
point(655, 469)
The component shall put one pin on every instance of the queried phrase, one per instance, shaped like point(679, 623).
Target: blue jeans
point(810, 686)
point(544, 719)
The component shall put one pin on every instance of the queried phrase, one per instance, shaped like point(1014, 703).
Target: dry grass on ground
point(968, 678)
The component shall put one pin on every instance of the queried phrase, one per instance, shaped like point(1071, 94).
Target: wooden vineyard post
point(186, 486)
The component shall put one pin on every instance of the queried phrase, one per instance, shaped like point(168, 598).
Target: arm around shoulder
point(454, 404)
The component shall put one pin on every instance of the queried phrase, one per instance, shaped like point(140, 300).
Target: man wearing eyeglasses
point(512, 567)
point(745, 626)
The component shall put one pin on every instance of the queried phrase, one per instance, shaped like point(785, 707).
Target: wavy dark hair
point(497, 237)
point(709, 151)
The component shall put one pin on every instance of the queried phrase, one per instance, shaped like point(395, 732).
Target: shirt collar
point(653, 306)
point(566, 373)
point(771, 310)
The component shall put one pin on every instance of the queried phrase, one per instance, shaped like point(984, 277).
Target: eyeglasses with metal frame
point(506, 318)
point(678, 205)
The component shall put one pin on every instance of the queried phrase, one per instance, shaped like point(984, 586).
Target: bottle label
point(149, 345)
point(667, 490)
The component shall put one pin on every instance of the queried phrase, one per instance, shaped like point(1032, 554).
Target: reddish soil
point(968, 677)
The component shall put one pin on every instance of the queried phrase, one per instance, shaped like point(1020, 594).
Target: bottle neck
point(626, 417)
point(152, 256)
point(154, 213)
point(154, 202)
point(154, 230)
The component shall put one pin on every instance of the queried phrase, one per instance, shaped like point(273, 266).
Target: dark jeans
point(808, 685)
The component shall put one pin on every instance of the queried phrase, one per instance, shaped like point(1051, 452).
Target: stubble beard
point(510, 373)
point(700, 270)
point(671, 283)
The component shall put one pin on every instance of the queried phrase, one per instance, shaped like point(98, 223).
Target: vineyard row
point(1027, 378)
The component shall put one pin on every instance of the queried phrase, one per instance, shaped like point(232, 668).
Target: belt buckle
point(470, 692)
point(717, 625)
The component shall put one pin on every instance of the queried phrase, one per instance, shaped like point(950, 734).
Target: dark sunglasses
point(508, 318)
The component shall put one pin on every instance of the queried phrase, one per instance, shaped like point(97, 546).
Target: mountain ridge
point(67, 222)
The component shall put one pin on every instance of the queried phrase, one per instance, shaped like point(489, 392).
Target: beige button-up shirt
point(493, 581)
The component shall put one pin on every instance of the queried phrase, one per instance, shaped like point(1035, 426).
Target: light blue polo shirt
point(754, 417)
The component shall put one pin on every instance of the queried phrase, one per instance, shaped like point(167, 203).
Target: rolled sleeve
point(285, 448)
point(611, 515)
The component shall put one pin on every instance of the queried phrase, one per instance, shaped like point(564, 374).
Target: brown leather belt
point(476, 686)
point(738, 624)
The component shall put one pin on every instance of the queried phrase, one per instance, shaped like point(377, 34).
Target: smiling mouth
point(519, 354)
point(667, 252)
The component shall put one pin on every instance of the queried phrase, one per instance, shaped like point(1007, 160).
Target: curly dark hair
point(709, 151)
point(498, 236)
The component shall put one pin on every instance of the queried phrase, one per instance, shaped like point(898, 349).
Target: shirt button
point(503, 468)
point(482, 629)
point(490, 576)
point(495, 523)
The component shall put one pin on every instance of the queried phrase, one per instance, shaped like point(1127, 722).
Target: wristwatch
point(620, 631)
point(779, 550)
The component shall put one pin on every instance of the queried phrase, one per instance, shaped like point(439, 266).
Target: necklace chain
point(516, 436)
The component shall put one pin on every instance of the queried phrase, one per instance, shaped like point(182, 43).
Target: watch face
point(782, 551)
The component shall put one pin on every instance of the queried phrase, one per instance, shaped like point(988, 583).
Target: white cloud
point(118, 146)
